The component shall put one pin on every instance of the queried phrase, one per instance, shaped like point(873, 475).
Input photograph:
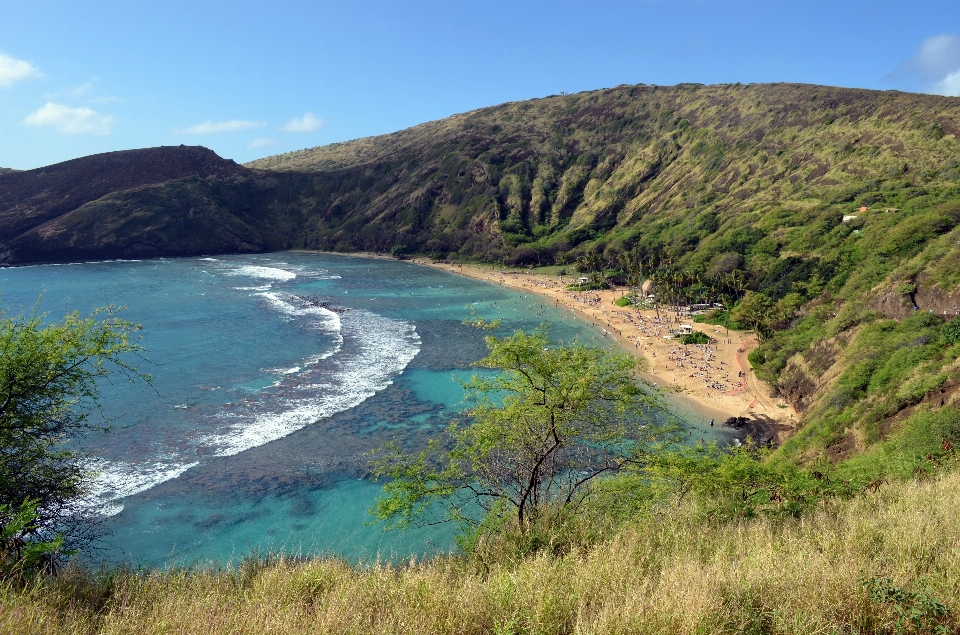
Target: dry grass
point(666, 575)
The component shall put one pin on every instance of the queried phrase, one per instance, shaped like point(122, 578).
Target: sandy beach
point(706, 377)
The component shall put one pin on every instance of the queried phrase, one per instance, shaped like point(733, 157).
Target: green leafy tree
point(48, 392)
point(756, 311)
point(550, 421)
point(697, 337)
point(591, 264)
point(22, 553)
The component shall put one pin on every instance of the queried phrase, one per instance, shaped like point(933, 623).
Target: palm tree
point(634, 277)
point(592, 265)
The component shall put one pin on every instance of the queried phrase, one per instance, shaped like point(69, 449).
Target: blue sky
point(254, 78)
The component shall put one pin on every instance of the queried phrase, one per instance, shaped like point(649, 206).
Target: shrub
point(951, 332)
point(697, 337)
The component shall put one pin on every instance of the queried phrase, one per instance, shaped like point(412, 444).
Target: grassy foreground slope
point(673, 572)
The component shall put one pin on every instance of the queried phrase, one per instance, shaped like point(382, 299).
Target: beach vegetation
point(697, 337)
point(48, 398)
point(719, 317)
point(754, 311)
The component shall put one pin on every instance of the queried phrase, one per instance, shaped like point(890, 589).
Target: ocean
point(274, 376)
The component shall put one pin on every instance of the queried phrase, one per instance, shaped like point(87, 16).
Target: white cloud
point(949, 85)
point(70, 120)
point(13, 70)
point(935, 67)
point(81, 90)
point(306, 123)
point(260, 142)
point(938, 56)
point(219, 127)
point(105, 100)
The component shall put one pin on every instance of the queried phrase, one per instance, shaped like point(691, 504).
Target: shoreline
point(703, 378)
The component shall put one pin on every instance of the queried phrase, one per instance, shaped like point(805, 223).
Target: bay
point(274, 376)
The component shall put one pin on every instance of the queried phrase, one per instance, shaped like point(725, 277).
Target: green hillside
point(826, 220)
point(666, 166)
point(751, 195)
point(715, 191)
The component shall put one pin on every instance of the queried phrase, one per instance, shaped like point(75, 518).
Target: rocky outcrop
point(760, 429)
point(892, 304)
point(797, 387)
point(806, 374)
point(935, 300)
point(919, 295)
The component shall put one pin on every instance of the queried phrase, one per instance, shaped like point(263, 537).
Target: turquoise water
point(274, 376)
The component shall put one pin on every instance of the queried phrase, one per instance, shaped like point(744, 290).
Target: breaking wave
point(375, 350)
point(368, 352)
point(268, 273)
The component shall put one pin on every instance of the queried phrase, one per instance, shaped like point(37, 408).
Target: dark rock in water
point(317, 301)
point(761, 429)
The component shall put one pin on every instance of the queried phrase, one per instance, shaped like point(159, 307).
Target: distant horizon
point(266, 156)
point(255, 79)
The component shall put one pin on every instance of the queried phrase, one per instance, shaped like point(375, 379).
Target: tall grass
point(669, 573)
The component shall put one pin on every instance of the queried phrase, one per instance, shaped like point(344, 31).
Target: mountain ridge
point(78, 209)
point(829, 217)
point(524, 181)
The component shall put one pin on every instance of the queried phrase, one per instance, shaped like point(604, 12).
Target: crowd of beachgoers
point(715, 377)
